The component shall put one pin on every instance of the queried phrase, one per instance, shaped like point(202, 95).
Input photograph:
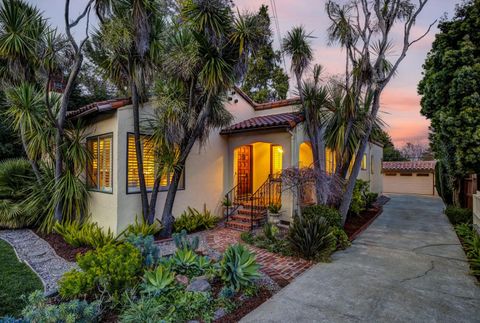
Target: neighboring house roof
point(274, 121)
point(267, 105)
point(98, 107)
point(412, 166)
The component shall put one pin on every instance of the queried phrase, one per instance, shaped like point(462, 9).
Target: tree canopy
point(265, 80)
point(450, 91)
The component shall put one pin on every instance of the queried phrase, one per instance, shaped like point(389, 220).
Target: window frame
point(97, 137)
point(364, 158)
point(181, 184)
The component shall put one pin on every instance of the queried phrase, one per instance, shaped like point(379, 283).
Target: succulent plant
point(238, 267)
point(182, 241)
point(158, 281)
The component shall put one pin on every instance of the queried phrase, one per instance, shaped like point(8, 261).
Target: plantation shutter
point(148, 152)
point(99, 169)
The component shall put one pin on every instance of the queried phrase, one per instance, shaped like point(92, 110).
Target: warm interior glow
point(305, 158)
point(99, 169)
point(330, 161)
point(277, 154)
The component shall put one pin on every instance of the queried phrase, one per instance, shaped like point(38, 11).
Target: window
point(330, 161)
point(277, 155)
point(364, 162)
point(99, 169)
point(148, 153)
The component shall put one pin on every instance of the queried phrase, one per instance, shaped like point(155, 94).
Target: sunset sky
point(400, 102)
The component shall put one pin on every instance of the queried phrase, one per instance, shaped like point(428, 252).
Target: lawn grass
point(16, 278)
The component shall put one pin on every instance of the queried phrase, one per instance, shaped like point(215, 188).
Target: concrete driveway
point(408, 266)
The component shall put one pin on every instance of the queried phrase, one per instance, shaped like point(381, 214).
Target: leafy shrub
point(458, 215)
point(370, 198)
point(176, 306)
point(159, 281)
point(471, 244)
point(143, 228)
point(359, 202)
point(331, 215)
point(16, 176)
point(39, 310)
point(247, 237)
point(77, 233)
point(183, 242)
point(193, 220)
point(238, 267)
point(341, 237)
point(312, 237)
point(270, 231)
point(147, 247)
point(112, 268)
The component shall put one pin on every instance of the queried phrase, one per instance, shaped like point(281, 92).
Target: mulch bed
point(62, 248)
point(356, 224)
point(247, 306)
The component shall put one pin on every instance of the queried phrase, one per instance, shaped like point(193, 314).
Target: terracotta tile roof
point(268, 105)
point(98, 107)
point(425, 166)
point(273, 121)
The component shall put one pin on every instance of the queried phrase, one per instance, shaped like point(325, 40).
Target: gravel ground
point(38, 254)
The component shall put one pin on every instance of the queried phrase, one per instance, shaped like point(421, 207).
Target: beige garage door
point(408, 183)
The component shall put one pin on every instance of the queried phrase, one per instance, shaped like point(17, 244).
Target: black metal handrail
point(230, 198)
point(270, 192)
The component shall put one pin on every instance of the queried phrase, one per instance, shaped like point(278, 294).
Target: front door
point(244, 170)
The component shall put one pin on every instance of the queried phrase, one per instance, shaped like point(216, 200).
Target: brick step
point(249, 205)
point(255, 212)
point(238, 225)
point(246, 217)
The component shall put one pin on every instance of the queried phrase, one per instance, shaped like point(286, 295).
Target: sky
point(400, 103)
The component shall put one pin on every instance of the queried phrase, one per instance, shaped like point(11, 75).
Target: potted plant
point(227, 204)
point(274, 213)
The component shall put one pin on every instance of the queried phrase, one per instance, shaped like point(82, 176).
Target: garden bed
point(62, 248)
point(356, 224)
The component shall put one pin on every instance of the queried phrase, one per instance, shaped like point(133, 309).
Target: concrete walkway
point(408, 266)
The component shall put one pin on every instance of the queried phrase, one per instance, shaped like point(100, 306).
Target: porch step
point(254, 212)
point(238, 225)
point(247, 217)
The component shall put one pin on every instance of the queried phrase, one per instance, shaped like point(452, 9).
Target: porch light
point(280, 150)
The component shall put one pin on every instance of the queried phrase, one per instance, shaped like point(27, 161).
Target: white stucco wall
point(209, 170)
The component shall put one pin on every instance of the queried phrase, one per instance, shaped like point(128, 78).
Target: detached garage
point(410, 177)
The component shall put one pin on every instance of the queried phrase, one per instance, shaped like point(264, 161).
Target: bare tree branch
point(424, 34)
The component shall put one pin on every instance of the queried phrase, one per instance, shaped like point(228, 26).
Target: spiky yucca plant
point(239, 267)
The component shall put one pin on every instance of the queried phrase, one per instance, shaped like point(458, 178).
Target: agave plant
point(183, 242)
point(238, 267)
point(158, 281)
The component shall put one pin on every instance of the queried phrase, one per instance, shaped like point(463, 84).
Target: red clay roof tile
point(421, 165)
point(282, 120)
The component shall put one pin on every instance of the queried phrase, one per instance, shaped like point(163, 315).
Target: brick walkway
point(280, 268)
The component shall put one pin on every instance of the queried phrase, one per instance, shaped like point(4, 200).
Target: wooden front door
point(244, 170)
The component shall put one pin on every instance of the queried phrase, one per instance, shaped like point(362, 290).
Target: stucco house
point(240, 160)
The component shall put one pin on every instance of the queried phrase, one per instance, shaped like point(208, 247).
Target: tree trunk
point(167, 216)
point(347, 196)
point(153, 201)
point(138, 149)
point(60, 127)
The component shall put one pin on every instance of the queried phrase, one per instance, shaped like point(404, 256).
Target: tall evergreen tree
point(265, 80)
point(451, 94)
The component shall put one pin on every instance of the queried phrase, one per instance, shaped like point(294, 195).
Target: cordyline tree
point(126, 48)
point(204, 54)
point(32, 53)
point(369, 52)
point(451, 97)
